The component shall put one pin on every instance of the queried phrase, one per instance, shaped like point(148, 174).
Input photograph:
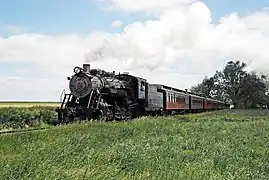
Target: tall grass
point(17, 118)
point(215, 145)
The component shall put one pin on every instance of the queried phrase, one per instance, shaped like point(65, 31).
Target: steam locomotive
point(95, 93)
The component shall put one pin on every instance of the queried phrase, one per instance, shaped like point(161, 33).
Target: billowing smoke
point(187, 37)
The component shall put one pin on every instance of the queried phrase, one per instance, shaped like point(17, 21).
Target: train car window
point(142, 86)
point(167, 97)
point(171, 97)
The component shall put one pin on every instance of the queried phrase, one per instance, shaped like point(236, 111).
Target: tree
point(266, 83)
point(253, 91)
point(233, 75)
point(205, 87)
point(235, 85)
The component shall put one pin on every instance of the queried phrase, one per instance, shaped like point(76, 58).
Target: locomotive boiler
point(95, 93)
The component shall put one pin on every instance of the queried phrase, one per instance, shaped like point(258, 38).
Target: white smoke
point(187, 37)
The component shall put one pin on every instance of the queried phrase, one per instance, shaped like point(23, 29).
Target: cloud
point(31, 88)
point(116, 24)
point(186, 39)
point(179, 48)
point(144, 6)
point(56, 53)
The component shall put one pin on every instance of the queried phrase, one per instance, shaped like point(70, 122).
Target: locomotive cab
point(137, 94)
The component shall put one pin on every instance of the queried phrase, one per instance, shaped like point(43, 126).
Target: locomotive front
point(85, 80)
point(93, 94)
point(80, 83)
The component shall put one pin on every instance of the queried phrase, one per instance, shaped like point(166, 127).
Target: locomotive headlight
point(77, 70)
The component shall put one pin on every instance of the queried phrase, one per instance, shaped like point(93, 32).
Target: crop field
point(28, 104)
point(228, 144)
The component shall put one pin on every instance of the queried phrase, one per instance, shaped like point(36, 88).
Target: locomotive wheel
point(126, 113)
point(108, 113)
point(123, 113)
point(118, 113)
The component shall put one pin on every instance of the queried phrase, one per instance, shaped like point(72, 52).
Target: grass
point(27, 104)
point(15, 118)
point(217, 145)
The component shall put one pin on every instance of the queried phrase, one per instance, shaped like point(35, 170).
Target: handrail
point(61, 96)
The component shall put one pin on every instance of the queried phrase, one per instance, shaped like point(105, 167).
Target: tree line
point(236, 86)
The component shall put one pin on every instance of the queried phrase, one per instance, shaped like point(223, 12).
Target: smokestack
point(86, 68)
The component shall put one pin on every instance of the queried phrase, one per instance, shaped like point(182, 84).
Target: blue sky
point(60, 16)
point(83, 16)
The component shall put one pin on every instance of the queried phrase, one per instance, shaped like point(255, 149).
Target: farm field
point(27, 104)
point(228, 144)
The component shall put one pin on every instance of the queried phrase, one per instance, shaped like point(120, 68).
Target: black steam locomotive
point(95, 93)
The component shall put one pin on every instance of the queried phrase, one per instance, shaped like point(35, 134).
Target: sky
point(172, 42)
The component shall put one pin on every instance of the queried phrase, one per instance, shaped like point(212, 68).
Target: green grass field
point(230, 144)
point(27, 104)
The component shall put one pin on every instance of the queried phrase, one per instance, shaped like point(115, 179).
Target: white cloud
point(186, 40)
point(28, 89)
point(178, 49)
point(145, 6)
point(57, 53)
point(116, 24)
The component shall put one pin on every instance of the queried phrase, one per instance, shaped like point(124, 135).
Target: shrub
point(20, 117)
